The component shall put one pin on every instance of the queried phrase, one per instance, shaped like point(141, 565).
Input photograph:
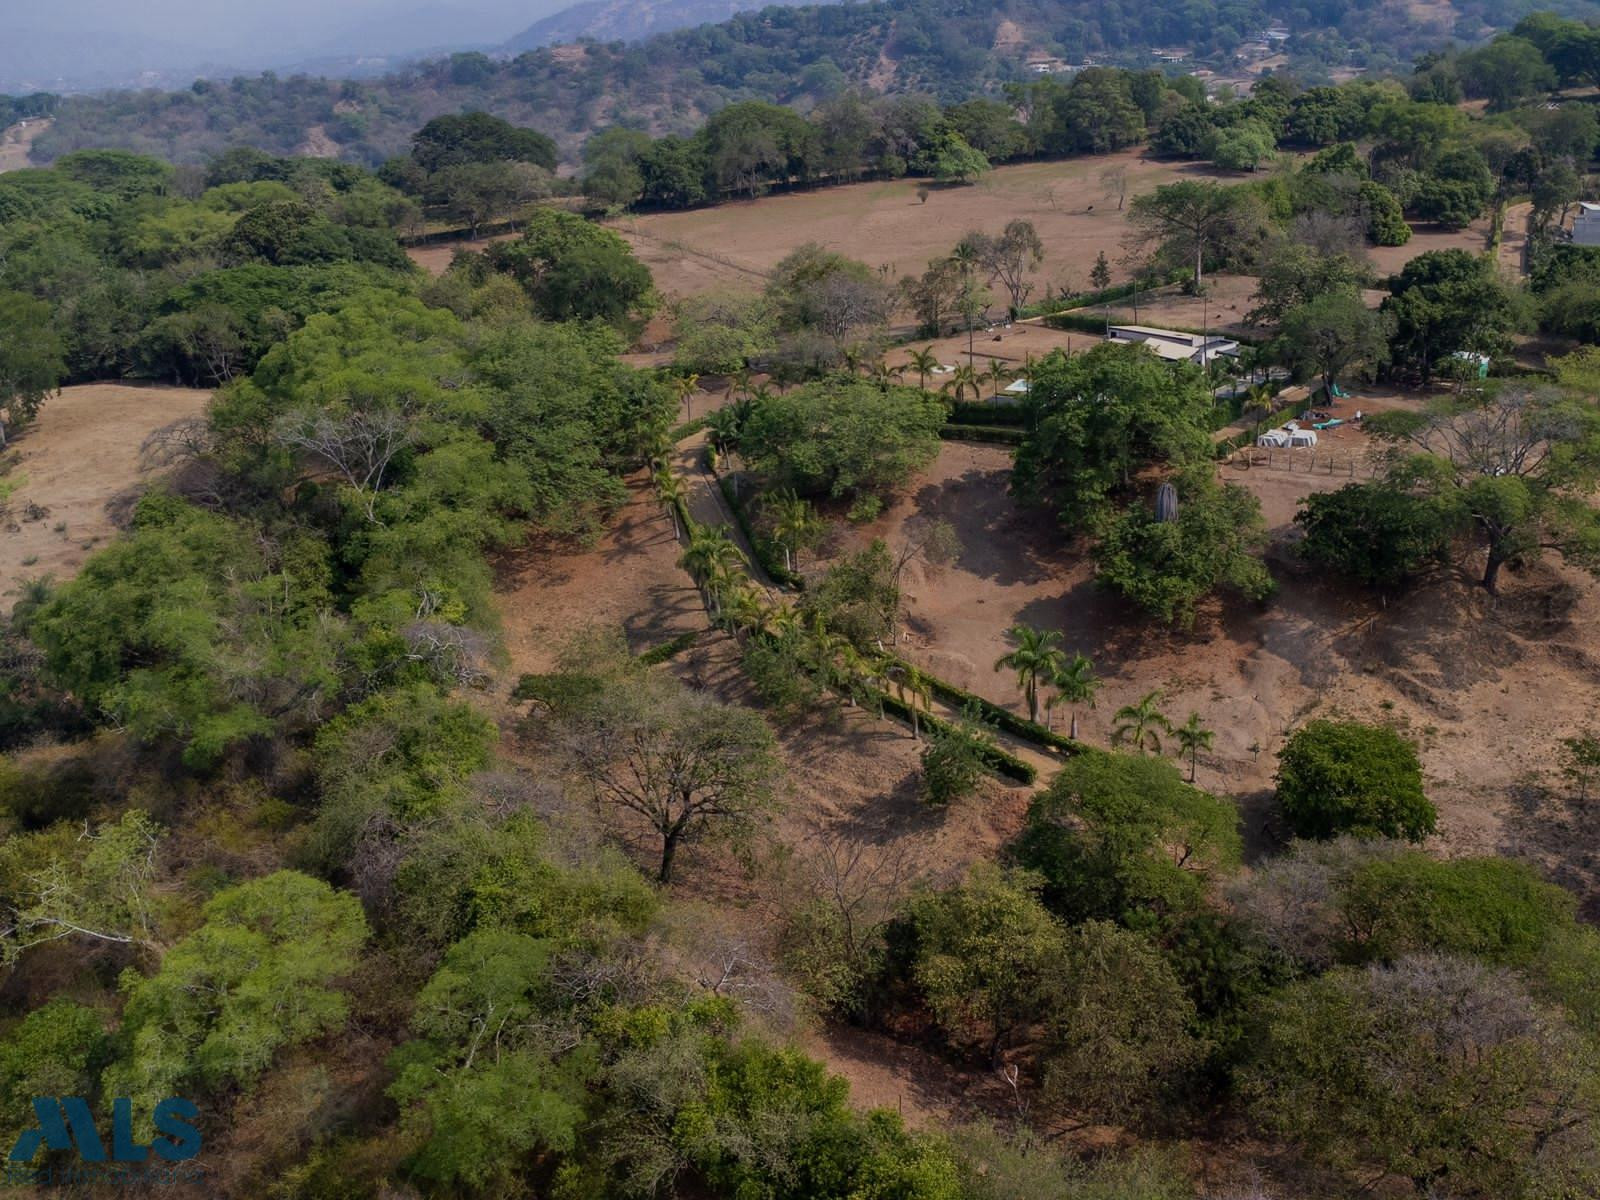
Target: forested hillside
point(799, 56)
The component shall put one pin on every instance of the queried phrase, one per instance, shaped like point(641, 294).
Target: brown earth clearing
point(73, 469)
point(17, 141)
point(1072, 203)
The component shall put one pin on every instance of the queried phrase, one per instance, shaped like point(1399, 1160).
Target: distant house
point(1586, 225)
point(1175, 345)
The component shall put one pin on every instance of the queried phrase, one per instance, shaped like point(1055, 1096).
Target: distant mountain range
point(41, 56)
point(799, 54)
point(630, 20)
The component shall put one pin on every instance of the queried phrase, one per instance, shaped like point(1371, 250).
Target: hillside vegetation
point(799, 56)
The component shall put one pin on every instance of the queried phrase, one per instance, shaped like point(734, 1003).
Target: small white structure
point(1016, 388)
point(1586, 225)
point(1289, 437)
point(1175, 345)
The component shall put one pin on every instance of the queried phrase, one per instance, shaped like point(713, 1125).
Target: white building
point(1586, 225)
point(1174, 345)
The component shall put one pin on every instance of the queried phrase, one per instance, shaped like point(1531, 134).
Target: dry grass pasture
point(1074, 204)
point(17, 141)
point(77, 463)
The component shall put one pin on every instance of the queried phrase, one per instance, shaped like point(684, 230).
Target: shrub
point(952, 763)
point(1345, 777)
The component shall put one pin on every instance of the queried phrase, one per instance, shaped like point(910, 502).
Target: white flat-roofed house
point(1586, 225)
point(1174, 345)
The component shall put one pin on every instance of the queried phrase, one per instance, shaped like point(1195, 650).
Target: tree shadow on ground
point(998, 542)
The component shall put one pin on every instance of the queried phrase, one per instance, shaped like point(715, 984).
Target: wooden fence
point(1304, 460)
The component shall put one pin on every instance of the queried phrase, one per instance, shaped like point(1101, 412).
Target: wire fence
point(1304, 460)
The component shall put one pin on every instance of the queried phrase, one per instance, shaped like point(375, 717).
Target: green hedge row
point(996, 434)
point(968, 413)
point(1111, 295)
point(1079, 320)
point(762, 546)
point(687, 429)
point(996, 759)
point(1003, 718)
point(670, 648)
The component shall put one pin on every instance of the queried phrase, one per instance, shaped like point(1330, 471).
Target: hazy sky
point(256, 30)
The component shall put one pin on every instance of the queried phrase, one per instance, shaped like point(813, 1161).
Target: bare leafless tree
point(691, 767)
point(358, 444)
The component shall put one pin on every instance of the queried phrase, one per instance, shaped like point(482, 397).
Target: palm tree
point(995, 375)
point(1142, 723)
point(713, 560)
point(966, 257)
point(784, 622)
point(1074, 684)
point(746, 606)
point(914, 690)
point(879, 672)
point(670, 490)
point(794, 522)
point(962, 378)
point(886, 376)
point(685, 386)
point(1193, 737)
point(1038, 656)
point(922, 362)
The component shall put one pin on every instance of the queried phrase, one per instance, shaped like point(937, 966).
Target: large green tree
point(32, 360)
point(1345, 777)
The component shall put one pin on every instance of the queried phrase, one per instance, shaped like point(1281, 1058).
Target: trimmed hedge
point(761, 546)
point(687, 429)
point(996, 759)
point(1111, 295)
point(1005, 435)
point(1003, 718)
point(968, 413)
point(670, 648)
point(1079, 320)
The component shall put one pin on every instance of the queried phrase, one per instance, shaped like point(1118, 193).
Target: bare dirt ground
point(16, 141)
point(435, 258)
point(1073, 205)
point(79, 461)
point(1389, 259)
point(1222, 309)
point(1486, 685)
point(1011, 347)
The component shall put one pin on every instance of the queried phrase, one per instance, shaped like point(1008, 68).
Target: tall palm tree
point(1141, 724)
point(915, 692)
point(966, 257)
point(713, 560)
point(1038, 655)
point(794, 523)
point(1074, 684)
point(886, 376)
point(685, 386)
point(784, 622)
point(962, 378)
point(1193, 737)
point(923, 362)
point(995, 375)
point(878, 670)
point(745, 606)
point(669, 488)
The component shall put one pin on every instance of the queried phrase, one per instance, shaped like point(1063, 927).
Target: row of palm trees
point(966, 376)
point(1040, 662)
point(736, 603)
